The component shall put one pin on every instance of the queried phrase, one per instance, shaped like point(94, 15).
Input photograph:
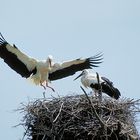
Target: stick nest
point(81, 117)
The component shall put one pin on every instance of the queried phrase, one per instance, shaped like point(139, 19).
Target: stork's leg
point(49, 87)
point(93, 92)
point(96, 94)
point(42, 85)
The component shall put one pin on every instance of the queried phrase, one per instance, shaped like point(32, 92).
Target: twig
point(100, 88)
point(58, 113)
point(59, 117)
point(44, 137)
point(94, 110)
point(25, 133)
point(99, 94)
point(44, 95)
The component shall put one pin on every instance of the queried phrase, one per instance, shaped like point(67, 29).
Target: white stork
point(42, 72)
point(90, 80)
point(26, 66)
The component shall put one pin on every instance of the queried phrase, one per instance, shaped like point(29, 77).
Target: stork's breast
point(44, 70)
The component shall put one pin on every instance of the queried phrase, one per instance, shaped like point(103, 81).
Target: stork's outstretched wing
point(69, 68)
point(18, 61)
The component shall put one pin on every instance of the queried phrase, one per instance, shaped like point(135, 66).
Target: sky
point(68, 30)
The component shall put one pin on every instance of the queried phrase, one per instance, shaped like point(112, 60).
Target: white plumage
point(90, 80)
point(42, 72)
point(26, 66)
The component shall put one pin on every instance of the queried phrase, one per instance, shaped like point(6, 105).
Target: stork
point(24, 65)
point(45, 71)
point(90, 80)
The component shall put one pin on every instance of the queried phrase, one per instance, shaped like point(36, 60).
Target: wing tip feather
point(96, 59)
point(2, 39)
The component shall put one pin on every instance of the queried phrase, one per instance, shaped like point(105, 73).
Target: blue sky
point(68, 30)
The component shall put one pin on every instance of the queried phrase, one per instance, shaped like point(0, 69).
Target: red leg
point(49, 87)
point(42, 85)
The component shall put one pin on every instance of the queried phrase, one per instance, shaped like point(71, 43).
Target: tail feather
point(110, 90)
point(35, 79)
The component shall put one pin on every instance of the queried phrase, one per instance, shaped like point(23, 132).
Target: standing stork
point(90, 80)
point(42, 72)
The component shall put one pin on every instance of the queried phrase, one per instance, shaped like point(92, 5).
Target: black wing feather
point(12, 60)
point(109, 89)
point(68, 71)
point(107, 81)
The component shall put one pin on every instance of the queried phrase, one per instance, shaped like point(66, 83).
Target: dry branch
point(77, 118)
point(94, 110)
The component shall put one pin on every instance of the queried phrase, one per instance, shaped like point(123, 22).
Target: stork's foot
point(46, 85)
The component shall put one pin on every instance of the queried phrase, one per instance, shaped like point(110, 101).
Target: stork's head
point(49, 61)
point(84, 72)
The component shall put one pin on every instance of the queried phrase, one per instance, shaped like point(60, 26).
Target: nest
point(81, 117)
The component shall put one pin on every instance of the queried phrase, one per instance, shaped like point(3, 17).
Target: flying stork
point(43, 72)
point(24, 65)
point(90, 80)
